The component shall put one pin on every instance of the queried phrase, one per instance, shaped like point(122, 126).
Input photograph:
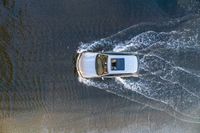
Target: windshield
point(101, 64)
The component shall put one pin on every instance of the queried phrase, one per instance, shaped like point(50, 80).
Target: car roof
point(120, 64)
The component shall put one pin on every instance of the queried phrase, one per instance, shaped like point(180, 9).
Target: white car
point(94, 65)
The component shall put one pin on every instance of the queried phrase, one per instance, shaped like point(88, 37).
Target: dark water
point(39, 91)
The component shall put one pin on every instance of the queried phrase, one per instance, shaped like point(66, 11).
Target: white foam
point(160, 72)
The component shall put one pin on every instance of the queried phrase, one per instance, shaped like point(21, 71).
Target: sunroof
point(117, 64)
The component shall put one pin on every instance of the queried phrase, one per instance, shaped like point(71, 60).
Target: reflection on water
point(120, 119)
point(8, 3)
point(38, 89)
point(6, 71)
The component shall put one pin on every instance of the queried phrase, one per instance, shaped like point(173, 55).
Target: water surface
point(39, 91)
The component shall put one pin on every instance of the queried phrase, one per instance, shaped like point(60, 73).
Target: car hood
point(86, 65)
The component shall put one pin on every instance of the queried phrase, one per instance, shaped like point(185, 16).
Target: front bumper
point(77, 64)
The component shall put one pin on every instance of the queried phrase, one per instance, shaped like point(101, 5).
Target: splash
point(169, 66)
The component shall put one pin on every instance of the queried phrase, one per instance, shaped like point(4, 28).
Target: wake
point(169, 65)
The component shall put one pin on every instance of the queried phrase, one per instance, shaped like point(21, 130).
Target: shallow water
point(39, 91)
